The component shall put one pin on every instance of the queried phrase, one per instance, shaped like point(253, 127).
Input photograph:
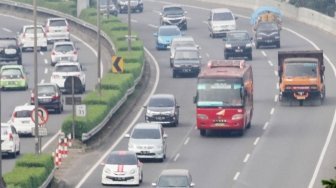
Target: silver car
point(57, 29)
point(174, 178)
point(148, 141)
point(64, 51)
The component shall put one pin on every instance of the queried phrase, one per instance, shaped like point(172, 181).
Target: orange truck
point(301, 75)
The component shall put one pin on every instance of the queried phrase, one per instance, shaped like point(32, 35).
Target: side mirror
point(177, 106)
point(145, 107)
point(165, 136)
point(192, 184)
point(185, 12)
point(155, 34)
point(102, 163)
point(236, 18)
point(154, 184)
point(195, 99)
point(127, 136)
point(160, 13)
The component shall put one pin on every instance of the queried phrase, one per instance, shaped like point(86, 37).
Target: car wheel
point(257, 45)
point(44, 48)
point(202, 132)
point(241, 132)
point(174, 74)
point(59, 109)
point(18, 152)
point(141, 177)
point(278, 44)
point(13, 155)
point(250, 56)
point(19, 62)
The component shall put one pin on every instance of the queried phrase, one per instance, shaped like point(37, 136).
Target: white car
point(185, 41)
point(63, 51)
point(26, 37)
point(21, 119)
point(148, 141)
point(65, 69)
point(57, 29)
point(221, 21)
point(122, 168)
point(10, 141)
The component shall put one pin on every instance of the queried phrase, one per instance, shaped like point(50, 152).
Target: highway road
point(284, 144)
point(9, 26)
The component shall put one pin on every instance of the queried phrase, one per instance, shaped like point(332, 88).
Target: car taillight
point(47, 28)
point(14, 114)
point(32, 96)
point(75, 52)
point(55, 97)
point(10, 137)
point(53, 53)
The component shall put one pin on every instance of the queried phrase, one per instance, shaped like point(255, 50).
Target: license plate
point(45, 100)
point(186, 70)
point(25, 122)
point(239, 50)
point(269, 41)
point(144, 152)
point(160, 118)
point(219, 124)
point(12, 83)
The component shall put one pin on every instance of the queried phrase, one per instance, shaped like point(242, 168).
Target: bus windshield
point(219, 92)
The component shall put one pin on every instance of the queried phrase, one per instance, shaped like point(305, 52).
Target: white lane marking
point(270, 63)
point(277, 85)
point(236, 176)
point(265, 126)
point(7, 30)
point(134, 21)
point(276, 98)
point(186, 141)
point(263, 53)
point(276, 73)
point(256, 141)
point(46, 71)
point(332, 127)
point(246, 158)
point(51, 140)
point(176, 157)
point(41, 53)
point(42, 81)
point(272, 111)
point(121, 137)
point(45, 61)
point(153, 26)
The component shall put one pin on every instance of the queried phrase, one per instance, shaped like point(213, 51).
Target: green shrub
point(107, 97)
point(123, 45)
point(133, 68)
point(67, 7)
point(32, 160)
point(120, 82)
point(94, 115)
point(132, 56)
point(25, 177)
point(117, 35)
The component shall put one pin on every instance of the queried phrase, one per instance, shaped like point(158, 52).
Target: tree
point(329, 183)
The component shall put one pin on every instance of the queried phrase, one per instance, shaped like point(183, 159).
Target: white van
point(221, 20)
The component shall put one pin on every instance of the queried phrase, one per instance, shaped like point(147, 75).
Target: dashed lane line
point(153, 26)
point(265, 126)
point(270, 63)
point(186, 141)
point(272, 111)
point(263, 53)
point(46, 71)
point(176, 157)
point(7, 30)
point(256, 141)
point(235, 178)
point(246, 158)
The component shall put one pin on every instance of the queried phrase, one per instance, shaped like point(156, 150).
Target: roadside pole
point(129, 25)
point(98, 38)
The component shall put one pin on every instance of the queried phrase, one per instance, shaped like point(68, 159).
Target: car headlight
point(248, 45)
point(237, 117)
point(165, 19)
point(107, 171)
point(133, 171)
point(202, 116)
point(149, 113)
point(228, 46)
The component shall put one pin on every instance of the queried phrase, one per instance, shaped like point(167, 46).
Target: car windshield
point(67, 68)
point(220, 92)
point(173, 181)
point(11, 74)
point(183, 43)
point(171, 31)
point(122, 159)
point(22, 114)
point(161, 102)
point(64, 48)
point(223, 16)
point(46, 90)
point(173, 11)
point(237, 36)
point(146, 134)
point(30, 30)
point(186, 55)
point(301, 69)
point(7, 43)
point(267, 27)
point(57, 23)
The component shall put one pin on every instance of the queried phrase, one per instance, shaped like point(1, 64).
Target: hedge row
point(71, 5)
point(30, 171)
point(113, 85)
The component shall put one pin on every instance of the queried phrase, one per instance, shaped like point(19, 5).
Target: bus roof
point(224, 68)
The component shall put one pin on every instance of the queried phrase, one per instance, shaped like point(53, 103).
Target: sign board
point(117, 64)
point(77, 100)
point(42, 131)
point(42, 116)
point(81, 110)
point(78, 87)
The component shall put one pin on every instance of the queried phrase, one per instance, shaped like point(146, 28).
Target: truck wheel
point(174, 74)
point(202, 132)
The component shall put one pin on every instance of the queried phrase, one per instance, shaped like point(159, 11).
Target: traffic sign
point(117, 64)
point(81, 110)
point(42, 116)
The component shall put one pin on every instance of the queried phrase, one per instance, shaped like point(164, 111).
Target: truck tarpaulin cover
point(262, 10)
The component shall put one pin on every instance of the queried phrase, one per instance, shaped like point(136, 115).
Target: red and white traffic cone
point(69, 140)
point(57, 158)
point(65, 147)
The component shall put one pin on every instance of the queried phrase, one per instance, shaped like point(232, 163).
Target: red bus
point(224, 98)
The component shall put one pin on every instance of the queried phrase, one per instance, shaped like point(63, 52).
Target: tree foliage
point(327, 7)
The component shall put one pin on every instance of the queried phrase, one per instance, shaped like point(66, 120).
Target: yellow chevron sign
point(117, 64)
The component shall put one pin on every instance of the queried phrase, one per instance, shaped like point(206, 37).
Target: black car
point(173, 15)
point(267, 34)
point(49, 96)
point(238, 43)
point(10, 50)
point(186, 61)
point(163, 109)
point(136, 6)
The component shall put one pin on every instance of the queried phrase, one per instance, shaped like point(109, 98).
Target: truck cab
point(301, 75)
